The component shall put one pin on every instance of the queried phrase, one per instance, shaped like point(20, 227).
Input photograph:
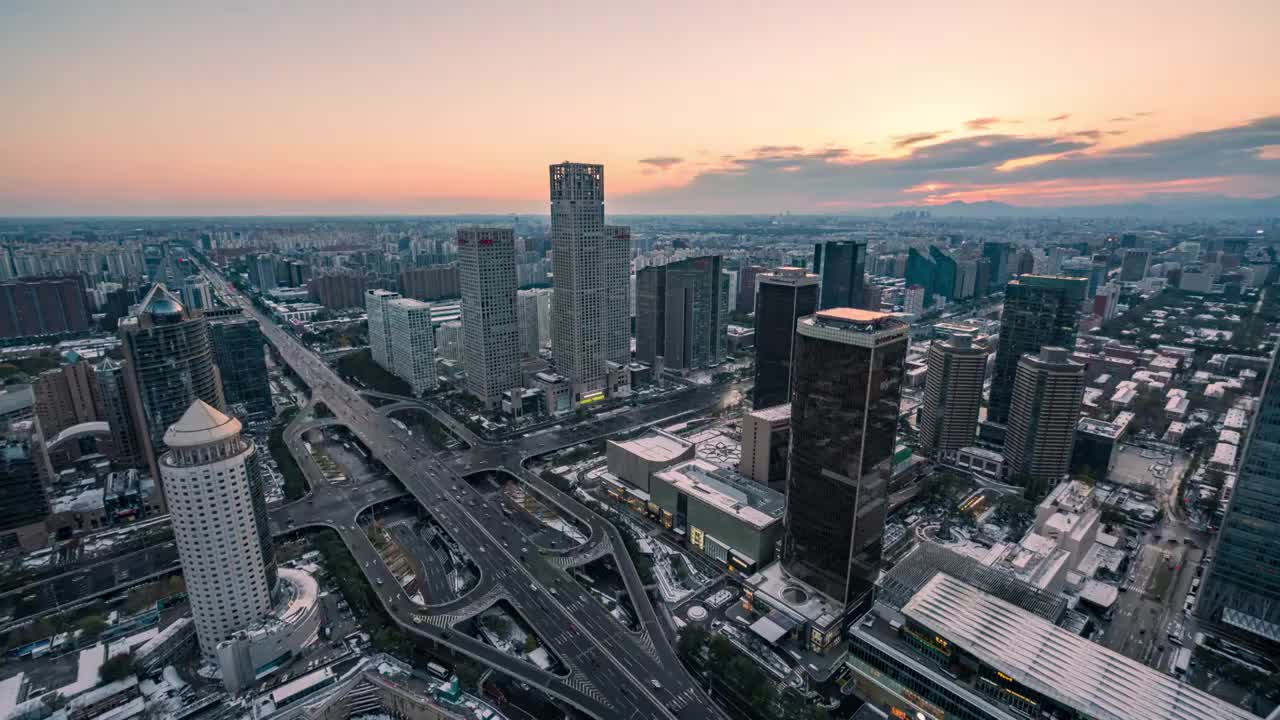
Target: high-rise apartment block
point(431, 283)
point(67, 396)
point(239, 351)
point(1045, 408)
point(782, 297)
point(841, 266)
point(681, 313)
point(338, 291)
point(848, 369)
point(952, 395)
point(375, 306)
point(491, 333)
point(1039, 310)
point(617, 278)
point(170, 360)
point(215, 498)
point(32, 307)
point(413, 345)
point(580, 305)
point(1242, 589)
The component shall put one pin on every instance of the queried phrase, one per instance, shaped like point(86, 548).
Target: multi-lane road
point(612, 673)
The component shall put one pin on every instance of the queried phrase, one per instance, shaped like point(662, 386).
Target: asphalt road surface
point(613, 673)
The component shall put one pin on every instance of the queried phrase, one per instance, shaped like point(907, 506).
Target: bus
point(1181, 661)
point(438, 671)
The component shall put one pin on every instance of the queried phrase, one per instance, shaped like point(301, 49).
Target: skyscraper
point(580, 305)
point(952, 395)
point(262, 272)
point(242, 365)
point(212, 482)
point(651, 319)
point(413, 343)
point(113, 389)
point(66, 396)
point(946, 272)
point(491, 334)
point(783, 297)
point(1039, 310)
point(747, 286)
point(681, 313)
point(1000, 255)
point(1133, 266)
point(23, 503)
point(847, 381)
point(375, 307)
point(922, 272)
point(527, 317)
point(171, 365)
point(1242, 588)
point(617, 280)
point(840, 266)
point(1047, 393)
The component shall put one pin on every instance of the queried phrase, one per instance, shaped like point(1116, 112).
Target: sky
point(130, 108)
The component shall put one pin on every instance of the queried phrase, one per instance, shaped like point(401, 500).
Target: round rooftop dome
point(164, 307)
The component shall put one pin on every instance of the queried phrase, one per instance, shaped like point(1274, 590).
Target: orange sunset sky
point(420, 107)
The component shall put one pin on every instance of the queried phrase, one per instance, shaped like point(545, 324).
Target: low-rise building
point(726, 515)
point(765, 435)
point(635, 461)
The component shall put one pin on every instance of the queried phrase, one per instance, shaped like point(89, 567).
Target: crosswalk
point(646, 642)
point(579, 682)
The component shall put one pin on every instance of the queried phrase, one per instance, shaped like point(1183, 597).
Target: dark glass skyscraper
point(1039, 310)
point(847, 381)
point(242, 363)
point(840, 266)
point(682, 313)
point(1243, 585)
point(171, 365)
point(782, 298)
point(946, 272)
point(1000, 255)
point(922, 271)
point(23, 504)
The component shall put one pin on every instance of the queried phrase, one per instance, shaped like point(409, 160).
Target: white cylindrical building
point(210, 480)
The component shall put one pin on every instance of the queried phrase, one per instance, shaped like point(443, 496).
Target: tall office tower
point(1243, 587)
point(922, 272)
point(1000, 255)
point(413, 344)
point(212, 482)
point(113, 389)
point(783, 297)
point(1047, 394)
point(847, 381)
point(1039, 310)
point(580, 305)
point(196, 293)
point(695, 333)
point(651, 319)
point(238, 351)
point(946, 272)
point(840, 266)
point(66, 396)
point(1133, 266)
point(431, 283)
point(31, 307)
point(263, 272)
point(375, 307)
point(617, 282)
point(169, 356)
point(490, 331)
point(747, 286)
point(23, 503)
point(952, 395)
point(527, 316)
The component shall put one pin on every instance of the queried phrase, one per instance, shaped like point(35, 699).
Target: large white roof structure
point(1055, 662)
point(201, 424)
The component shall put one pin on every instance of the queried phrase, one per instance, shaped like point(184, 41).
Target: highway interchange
point(613, 673)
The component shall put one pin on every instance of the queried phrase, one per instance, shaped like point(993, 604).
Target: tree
point(91, 627)
point(530, 644)
point(118, 668)
point(691, 641)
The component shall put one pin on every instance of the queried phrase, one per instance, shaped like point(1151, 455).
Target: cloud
point(1121, 118)
point(981, 123)
point(1145, 113)
point(1060, 118)
point(902, 141)
point(1048, 164)
point(775, 149)
point(662, 162)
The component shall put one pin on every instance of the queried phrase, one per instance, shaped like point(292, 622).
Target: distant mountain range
point(1154, 207)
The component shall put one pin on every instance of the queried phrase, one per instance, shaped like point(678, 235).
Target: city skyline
point(261, 111)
